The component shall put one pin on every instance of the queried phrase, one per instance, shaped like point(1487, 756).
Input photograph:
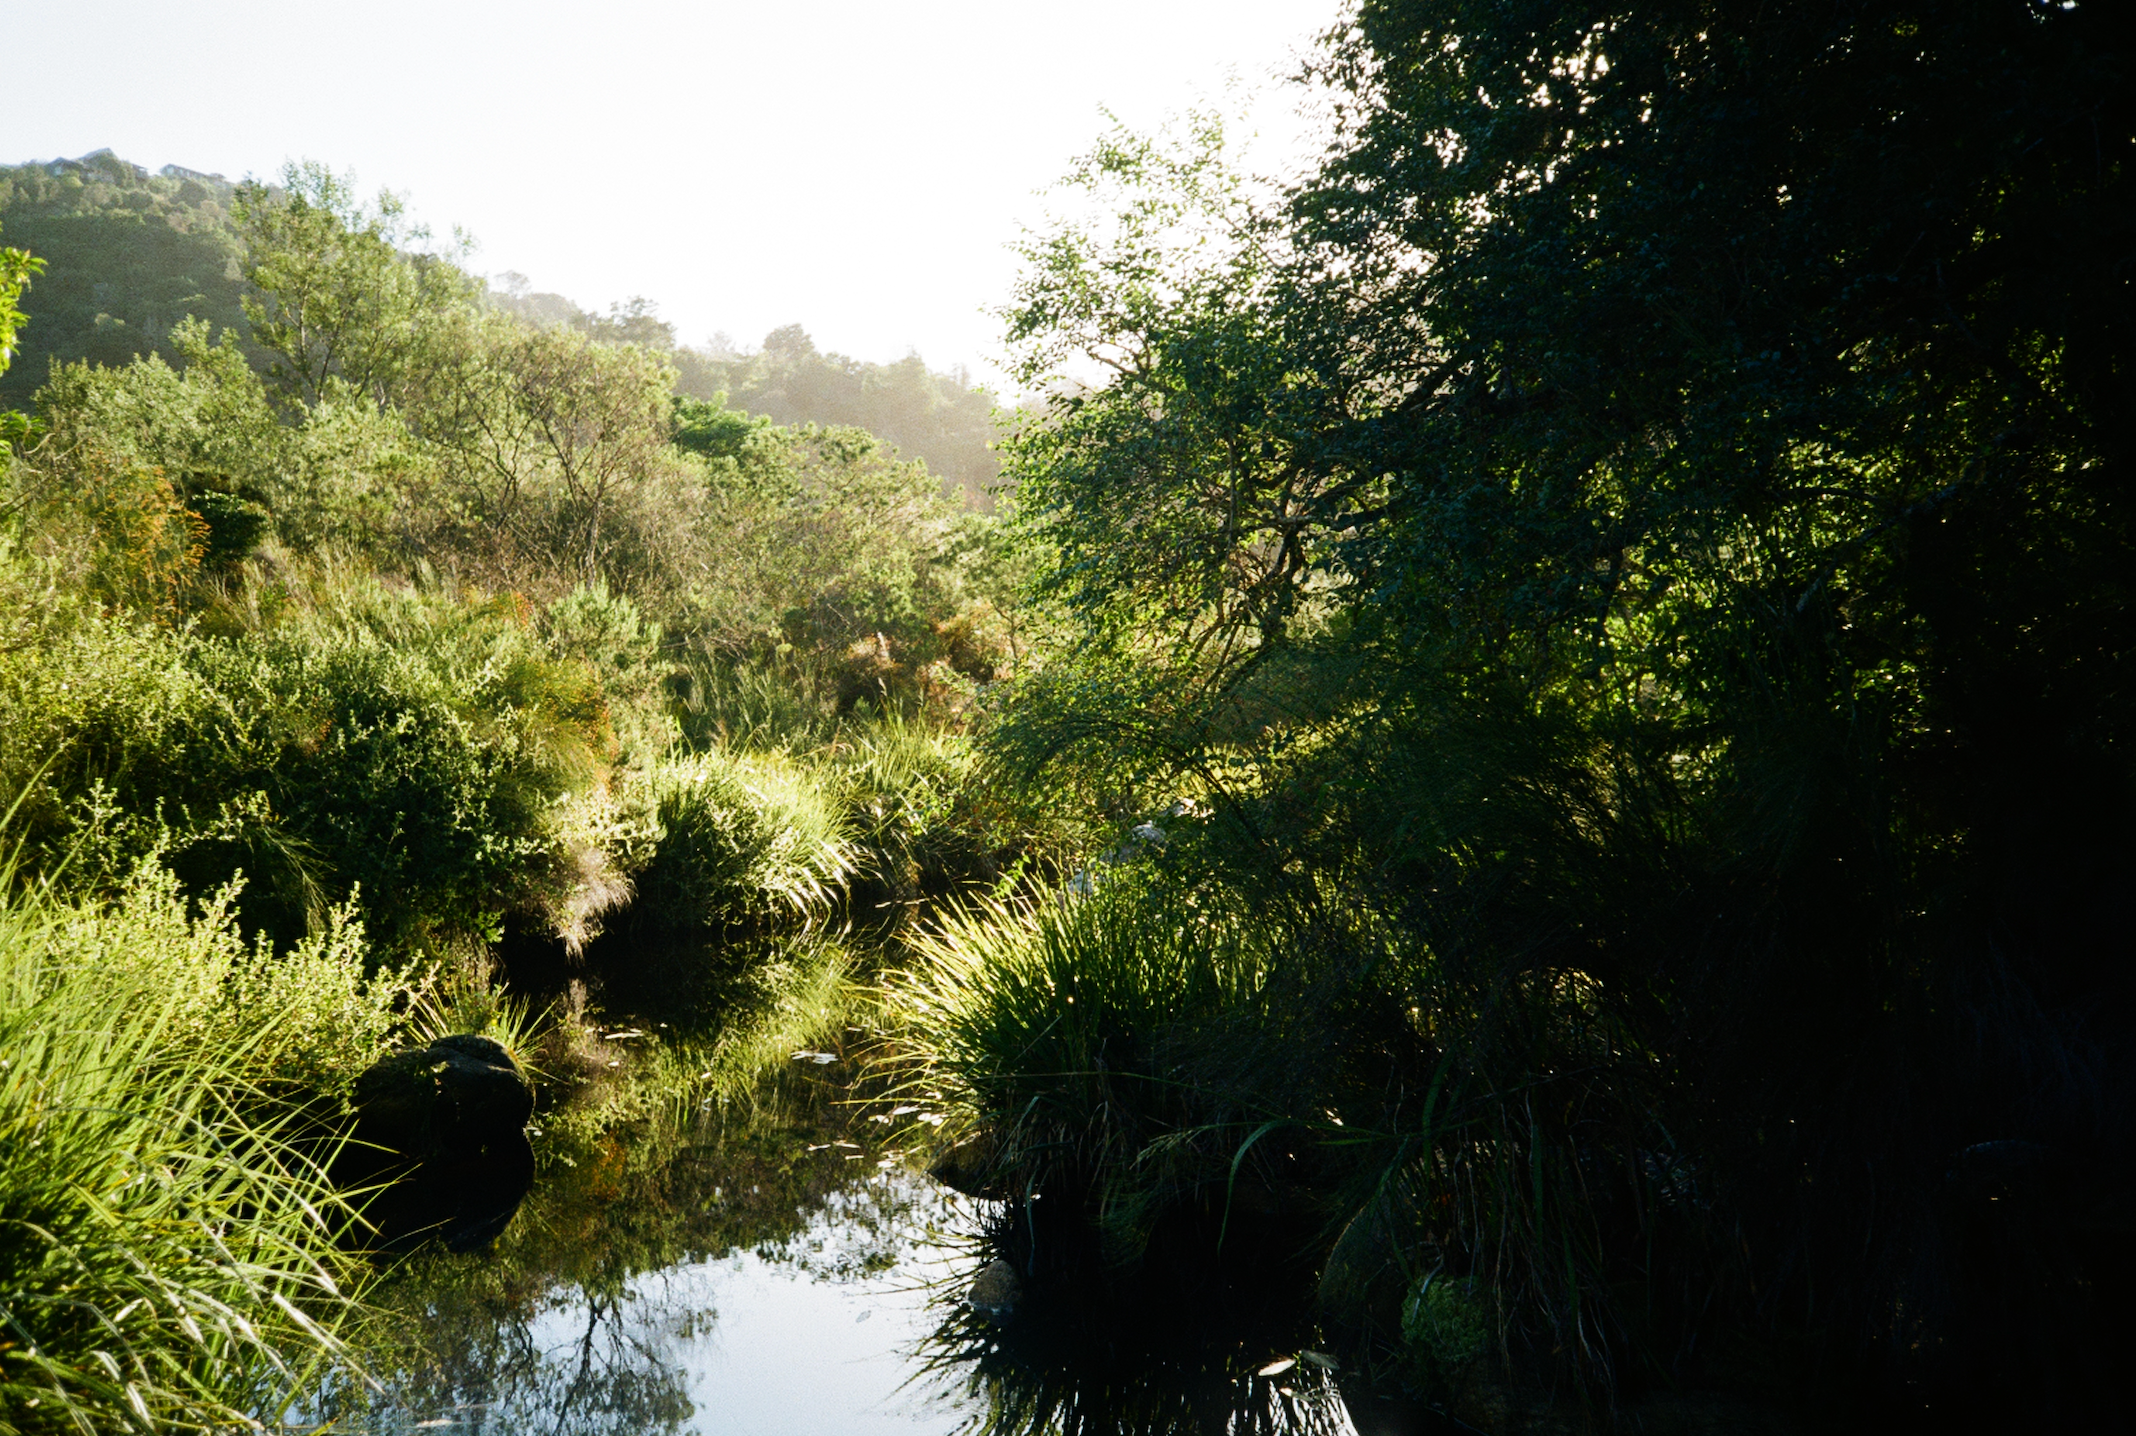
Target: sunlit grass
point(167, 1257)
point(742, 835)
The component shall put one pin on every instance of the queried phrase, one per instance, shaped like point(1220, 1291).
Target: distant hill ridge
point(129, 254)
point(100, 164)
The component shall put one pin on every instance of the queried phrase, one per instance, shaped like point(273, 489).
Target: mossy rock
point(441, 1143)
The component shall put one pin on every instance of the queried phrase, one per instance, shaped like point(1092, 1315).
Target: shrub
point(411, 745)
point(329, 1018)
point(742, 837)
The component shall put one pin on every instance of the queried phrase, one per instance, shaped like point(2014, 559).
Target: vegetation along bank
point(1552, 731)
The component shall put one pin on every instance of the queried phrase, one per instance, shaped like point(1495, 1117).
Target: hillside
point(930, 415)
point(130, 254)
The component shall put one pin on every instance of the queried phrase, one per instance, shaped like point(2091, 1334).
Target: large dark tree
point(1654, 509)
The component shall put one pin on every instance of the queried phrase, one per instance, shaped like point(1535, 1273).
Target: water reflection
point(644, 1277)
point(1175, 1347)
point(772, 1275)
point(1134, 1394)
point(807, 1334)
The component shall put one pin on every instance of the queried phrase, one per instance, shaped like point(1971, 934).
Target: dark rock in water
point(1361, 1285)
point(996, 1290)
point(441, 1133)
point(968, 1167)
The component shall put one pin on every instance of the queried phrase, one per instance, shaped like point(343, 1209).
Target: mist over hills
point(131, 253)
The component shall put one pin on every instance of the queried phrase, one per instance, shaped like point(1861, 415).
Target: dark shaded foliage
point(1649, 521)
point(129, 257)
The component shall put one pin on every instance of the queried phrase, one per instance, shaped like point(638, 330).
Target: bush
point(330, 1019)
point(410, 745)
point(1446, 1328)
point(742, 838)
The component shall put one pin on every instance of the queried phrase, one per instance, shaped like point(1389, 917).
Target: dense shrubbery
point(404, 611)
point(410, 747)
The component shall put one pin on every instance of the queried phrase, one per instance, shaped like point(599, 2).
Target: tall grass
point(922, 822)
point(754, 705)
point(1142, 1046)
point(742, 837)
point(167, 1229)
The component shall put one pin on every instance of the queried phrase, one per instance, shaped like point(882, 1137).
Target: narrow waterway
point(768, 1272)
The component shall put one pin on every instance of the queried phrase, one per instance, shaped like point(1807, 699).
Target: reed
point(742, 837)
point(1142, 1047)
point(167, 1229)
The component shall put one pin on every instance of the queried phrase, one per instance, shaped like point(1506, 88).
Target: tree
point(940, 418)
point(337, 298)
point(559, 442)
point(815, 537)
point(17, 268)
point(1650, 518)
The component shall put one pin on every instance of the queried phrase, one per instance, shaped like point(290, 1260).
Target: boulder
point(969, 1167)
point(1363, 1282)
point(440, 1144)
point(996, 1290)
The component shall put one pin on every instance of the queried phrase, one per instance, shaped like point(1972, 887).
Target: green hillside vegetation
point(128, 257)
point(131, 255)
point(939, 418)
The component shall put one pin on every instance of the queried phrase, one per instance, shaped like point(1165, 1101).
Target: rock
point(968, 1167)
point(441, 1141)
point(996, 1290)
point(1361, 1286)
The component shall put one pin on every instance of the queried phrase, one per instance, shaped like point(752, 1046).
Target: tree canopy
point(132, 255)
point(1649, 516)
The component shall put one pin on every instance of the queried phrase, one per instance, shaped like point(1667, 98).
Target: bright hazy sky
point(858, 168)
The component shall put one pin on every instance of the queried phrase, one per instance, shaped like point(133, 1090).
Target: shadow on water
point(1195, 1340)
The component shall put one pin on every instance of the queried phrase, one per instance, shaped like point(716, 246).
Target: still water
point(769, 1274)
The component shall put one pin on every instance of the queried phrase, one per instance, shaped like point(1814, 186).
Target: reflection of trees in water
point(1171, 1348)
point(617, 1375)
point(869, 1229)
point(580, 1366)
point(579, 1323)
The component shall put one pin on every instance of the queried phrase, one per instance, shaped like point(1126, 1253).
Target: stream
point(768, 1272)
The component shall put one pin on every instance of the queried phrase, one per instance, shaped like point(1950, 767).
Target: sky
point(859, 169)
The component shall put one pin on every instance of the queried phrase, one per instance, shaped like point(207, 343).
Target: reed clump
point(1146, 1048)
point(168, 1257)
